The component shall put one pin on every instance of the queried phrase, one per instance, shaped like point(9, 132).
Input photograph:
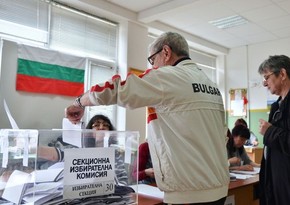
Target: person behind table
point(144, 170)
point(275, 166)
point(237, 155)
point(185, 124)
point(101, 122)
point(55, 150)
point(253, 141)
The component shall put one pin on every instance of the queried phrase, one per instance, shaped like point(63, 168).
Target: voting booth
point(68, 167)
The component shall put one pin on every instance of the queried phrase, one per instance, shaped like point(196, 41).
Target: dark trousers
point(218, 202)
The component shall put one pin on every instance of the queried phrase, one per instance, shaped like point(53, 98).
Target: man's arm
point(48, 153)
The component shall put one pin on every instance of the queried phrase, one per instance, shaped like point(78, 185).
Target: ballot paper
point(11, 119)
point(69, 135)
point(47, 175)
point(16, 185)
point(36, 187)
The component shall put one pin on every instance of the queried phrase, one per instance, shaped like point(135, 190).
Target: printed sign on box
point(88, 172)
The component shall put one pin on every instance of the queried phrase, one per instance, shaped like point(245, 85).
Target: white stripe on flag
point(50, 57)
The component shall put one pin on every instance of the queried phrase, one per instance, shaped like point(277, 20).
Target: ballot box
point(68, 167)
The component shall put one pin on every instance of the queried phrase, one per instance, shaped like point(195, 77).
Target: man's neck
point(181, 59)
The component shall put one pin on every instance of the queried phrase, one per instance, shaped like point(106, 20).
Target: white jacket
point(186, 128)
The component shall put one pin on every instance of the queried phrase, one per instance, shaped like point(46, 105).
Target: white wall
point(137, 52)
point(257, 54)
point(242, 65)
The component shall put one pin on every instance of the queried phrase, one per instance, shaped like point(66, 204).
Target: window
point(25, 19)
point(99, 72)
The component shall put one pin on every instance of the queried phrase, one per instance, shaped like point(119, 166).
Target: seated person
point(101, 122)
point(146, 173)
point(54, 150)
point(253, 141)
point(237, 155)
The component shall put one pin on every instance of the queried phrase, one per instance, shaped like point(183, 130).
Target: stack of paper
point(37, 187)
point(245, 174)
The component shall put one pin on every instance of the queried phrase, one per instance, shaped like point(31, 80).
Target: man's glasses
point(266, 77)
point(151, 59)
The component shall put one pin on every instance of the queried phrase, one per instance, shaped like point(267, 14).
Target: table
point(146, 200)
point(245, 192)
point(255, 153)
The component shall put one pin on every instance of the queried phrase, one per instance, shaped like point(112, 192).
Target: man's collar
point(181, 59)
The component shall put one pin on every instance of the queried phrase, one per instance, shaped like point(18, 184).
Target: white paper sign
point(88, 172)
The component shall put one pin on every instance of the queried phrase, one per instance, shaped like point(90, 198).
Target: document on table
point(256, 171)
point(242, 176)
point(245, 174)
point(148, 190)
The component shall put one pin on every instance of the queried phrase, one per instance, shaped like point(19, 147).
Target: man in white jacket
point(186, 122)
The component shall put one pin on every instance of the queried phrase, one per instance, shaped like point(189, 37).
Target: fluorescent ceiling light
point(229, 22)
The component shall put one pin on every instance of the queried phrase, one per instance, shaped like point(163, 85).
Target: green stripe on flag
point(44, 70)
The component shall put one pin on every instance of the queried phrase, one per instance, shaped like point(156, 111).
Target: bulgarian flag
point(46, 71)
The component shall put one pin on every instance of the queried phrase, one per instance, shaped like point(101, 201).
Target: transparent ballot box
point(68, 167)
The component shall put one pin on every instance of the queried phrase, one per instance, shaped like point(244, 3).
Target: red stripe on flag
point(47, 85)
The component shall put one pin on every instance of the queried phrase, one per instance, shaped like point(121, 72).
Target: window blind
point(83, 33)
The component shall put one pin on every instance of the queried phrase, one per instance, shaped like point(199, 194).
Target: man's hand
point(264, 125)
point(74, 113)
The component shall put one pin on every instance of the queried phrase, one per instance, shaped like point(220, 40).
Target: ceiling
point(267, 19)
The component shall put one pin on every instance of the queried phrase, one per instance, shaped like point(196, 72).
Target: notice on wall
point(88, 172)
point(238, 102)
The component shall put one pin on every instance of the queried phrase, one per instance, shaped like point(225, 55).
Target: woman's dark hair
point(242, 131)
point(112, 139)
point(241, 121)
point(238, 130)
point(100, 117)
